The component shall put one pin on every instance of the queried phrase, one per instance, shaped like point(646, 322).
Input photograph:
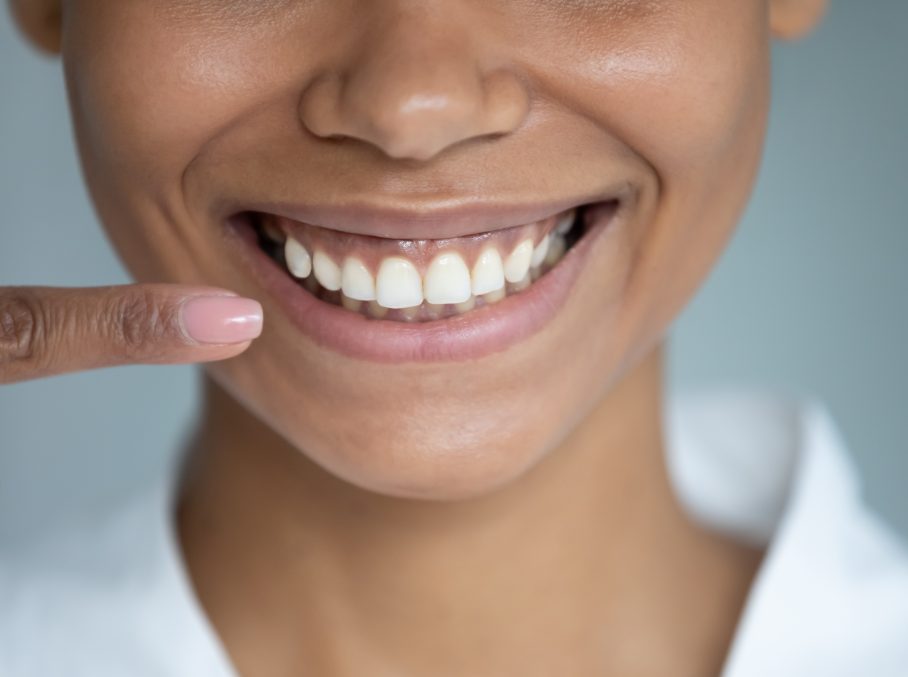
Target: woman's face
point(195, 118)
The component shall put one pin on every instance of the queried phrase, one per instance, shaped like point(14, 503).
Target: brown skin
point(350, 518)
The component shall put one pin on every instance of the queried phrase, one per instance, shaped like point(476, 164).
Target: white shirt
point(830, 600)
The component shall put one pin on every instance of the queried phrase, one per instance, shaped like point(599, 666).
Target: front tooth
point(447, 280)
point(298, 260)
point(398, 284)
point(540, 251)
point(356, 280)
point(326, 271)
point(518, 263)
point(488, 272)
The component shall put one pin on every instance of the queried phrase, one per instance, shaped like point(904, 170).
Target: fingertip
point(221, 319)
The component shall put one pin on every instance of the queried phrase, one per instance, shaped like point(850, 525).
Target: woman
point(470, 226)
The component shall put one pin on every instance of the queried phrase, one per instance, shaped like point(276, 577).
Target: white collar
point(831, 596)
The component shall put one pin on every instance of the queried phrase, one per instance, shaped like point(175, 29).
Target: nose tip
point(412, 96)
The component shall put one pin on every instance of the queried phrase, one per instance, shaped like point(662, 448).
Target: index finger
point(54, 330)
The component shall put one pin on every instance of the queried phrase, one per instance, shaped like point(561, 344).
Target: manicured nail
point(222, 319)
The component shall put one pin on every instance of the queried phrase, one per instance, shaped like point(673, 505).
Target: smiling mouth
point(419, 280)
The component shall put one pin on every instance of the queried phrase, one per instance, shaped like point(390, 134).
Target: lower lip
point(474, 334)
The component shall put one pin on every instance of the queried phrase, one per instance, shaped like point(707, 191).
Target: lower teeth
point(425, 311)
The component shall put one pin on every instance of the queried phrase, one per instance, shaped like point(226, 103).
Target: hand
point(54, 330)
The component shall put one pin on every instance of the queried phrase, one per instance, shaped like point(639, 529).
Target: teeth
point(448, 286)
point(447, 280)
point(556, 251)
point(488, 272)
point(518, 263)
point(326, 271)
point(356, 280)
point(540, 251)
point(375, 310)
point(564, 224)
point(467, 305)
point(398, 284)
point(350, 304)
point(298, 261)
point(273, 233)
point(495, 296)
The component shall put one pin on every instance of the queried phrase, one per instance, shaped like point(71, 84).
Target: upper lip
point(436, 220)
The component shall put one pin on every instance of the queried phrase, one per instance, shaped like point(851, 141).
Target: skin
point(347, 518)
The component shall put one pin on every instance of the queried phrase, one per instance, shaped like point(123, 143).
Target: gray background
point(809, 297)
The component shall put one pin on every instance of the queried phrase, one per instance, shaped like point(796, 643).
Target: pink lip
point(435, 220)
point(472, 335)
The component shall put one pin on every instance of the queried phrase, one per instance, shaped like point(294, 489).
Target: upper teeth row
point(448, 279)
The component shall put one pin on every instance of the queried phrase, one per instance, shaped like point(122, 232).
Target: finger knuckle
point(22, 328)
point(141, 323)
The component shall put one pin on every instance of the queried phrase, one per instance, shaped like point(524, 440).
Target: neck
point(588, 551)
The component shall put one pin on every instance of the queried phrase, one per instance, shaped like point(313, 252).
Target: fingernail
point(222, 319)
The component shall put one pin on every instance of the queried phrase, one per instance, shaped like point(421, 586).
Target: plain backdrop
point(810, 296)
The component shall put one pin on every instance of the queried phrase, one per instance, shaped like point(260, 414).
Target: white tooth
point(356, 280)
point(540, 251)
point(488, 272)
point(556, 251)
point(326, 271)
point(447, 280)
point(398, 284)
point(564, 224)
point(298, 260)
point(518, 263)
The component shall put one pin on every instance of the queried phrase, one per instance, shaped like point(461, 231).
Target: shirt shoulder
point(831, 597)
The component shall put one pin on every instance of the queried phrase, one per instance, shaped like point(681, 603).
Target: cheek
point(145, 98)
point(694, 106)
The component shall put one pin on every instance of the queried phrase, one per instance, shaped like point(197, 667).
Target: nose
point(414, 87)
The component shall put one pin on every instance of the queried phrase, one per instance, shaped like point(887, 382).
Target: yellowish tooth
point(488, 272)
point(556, 251)
point(399, 284)
point(350, 304)
point(311, 284)
point(495, 296)
point(518, 262)
point(356, 280)
point(409, 313)
point(273, 233)
point(447, 280)
point(299, 263)
point(564, 224)
point(327, 271)
point(434, 310)
point(466, 306)
point(376, 310)
point(520, 285)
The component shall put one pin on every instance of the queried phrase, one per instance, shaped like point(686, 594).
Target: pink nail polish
point(222, 319)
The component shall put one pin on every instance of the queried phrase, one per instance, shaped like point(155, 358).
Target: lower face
point(425, 357)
